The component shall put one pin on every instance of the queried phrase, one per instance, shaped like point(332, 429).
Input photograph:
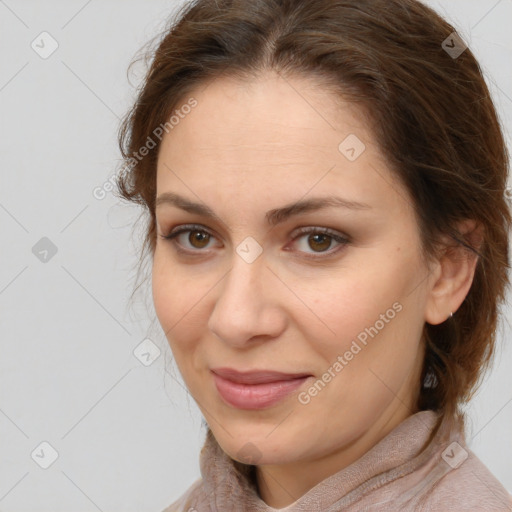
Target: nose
point(248, 307)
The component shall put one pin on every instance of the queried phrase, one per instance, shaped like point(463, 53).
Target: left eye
point(321, 240)
point(318, 239)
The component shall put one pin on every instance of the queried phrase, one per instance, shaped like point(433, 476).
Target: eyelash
point(342, 240)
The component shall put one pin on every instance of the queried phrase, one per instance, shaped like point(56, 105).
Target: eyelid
point(337, 236)
point(184, 228)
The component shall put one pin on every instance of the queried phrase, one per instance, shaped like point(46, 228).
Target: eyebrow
point(273, 217)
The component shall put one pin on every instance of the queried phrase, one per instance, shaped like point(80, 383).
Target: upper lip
point(256, 376)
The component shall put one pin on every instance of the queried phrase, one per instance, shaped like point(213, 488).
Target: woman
point(325, 183)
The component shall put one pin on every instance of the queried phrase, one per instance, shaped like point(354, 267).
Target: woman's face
point(245, 289)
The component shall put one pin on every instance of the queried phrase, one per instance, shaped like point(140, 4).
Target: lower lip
point(255, 396)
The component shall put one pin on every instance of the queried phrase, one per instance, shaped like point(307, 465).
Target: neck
point(283, 484)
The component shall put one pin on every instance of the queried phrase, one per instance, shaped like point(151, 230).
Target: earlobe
point(454, 274)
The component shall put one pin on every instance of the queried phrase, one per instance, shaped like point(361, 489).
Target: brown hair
point(431, 113)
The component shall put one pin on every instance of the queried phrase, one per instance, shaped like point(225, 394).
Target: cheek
point(342, 307)
point(369, 314)
point(163, 298)
point(177, 303)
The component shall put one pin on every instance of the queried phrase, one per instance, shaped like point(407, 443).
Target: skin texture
point(246, 149)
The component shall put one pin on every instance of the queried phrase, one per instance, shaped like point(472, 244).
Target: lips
point(256, 376)
point(255, 389)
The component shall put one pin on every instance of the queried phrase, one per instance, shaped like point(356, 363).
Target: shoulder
point(467, 485)
point(182, 503)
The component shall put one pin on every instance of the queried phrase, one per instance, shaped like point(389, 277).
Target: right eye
point(197, 238)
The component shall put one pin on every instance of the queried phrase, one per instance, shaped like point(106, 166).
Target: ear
point(452, 274)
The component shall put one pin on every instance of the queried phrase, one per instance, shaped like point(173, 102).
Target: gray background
point(126, 433)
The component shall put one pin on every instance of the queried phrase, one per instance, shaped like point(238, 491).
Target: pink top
point(403, 472)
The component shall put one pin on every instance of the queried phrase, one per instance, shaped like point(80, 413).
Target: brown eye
point(190, 237)
point(198, 239)
point(313, 242)
point(320, 242)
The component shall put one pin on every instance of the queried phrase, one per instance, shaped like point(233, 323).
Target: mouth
point(256, 389)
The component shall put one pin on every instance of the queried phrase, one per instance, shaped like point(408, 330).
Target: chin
point(255, 446)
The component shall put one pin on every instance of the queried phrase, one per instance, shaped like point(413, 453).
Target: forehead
point(272, 119)
point(271, 134)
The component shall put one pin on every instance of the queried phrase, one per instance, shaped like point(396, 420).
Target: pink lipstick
point(255, 389)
